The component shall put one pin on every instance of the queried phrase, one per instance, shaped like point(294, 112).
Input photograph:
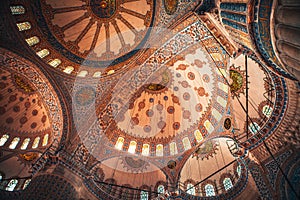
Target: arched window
point(11, 185)
point(208, 125)
point(32, 40)
point(267, 110)
point(119, 143)
point(14, 143)
point(36, 142)
point(132, 147)
point(97, 74)
point(209, 190)
point(43, 53)
point(146, 149)
point(82, 73)
point(144, 195)
point(186, 143)
point(198, 135)
point(190, 189)
point(173, 148)
point(68, 70)
point(238, 170)
point(26, 183)
point(45, 140)
point(55, 62)
point(254, 127)
point(17, 10)
point(159, 150)
point(227, 183)
point(161, 189)
point(23, 26)
point(3, 139)
point(110, 72)
point(25, 143)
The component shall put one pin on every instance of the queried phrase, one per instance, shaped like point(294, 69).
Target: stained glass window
point(186, 143)
point(110, 72)
point(69, 69)
point(119, 143)
point(82, 74)
point(55, 62)
point(26, 183)
point(97, 74)
point(227, 183)
point(14, 143)
point(161, 189)
point(17, 10)
point(254, 127)
point(32, 40)
point(173, 148)
point(145, 150)
point(144, 195)
point(132, 147)
point(198, 135)
point(25, 143)
point(45, 140)
point(3, 139)
point(238, 170)
point(23, 26)
point(11, 185)
point(159, 150)
point(36, 142)
point(43, 53)
point(209, 190)
point(190, 189)
point(267, 110)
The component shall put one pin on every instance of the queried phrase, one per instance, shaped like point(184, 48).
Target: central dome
point(174, 100)
point(169, 103)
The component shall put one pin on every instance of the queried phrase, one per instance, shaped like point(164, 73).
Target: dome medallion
point(103, 9)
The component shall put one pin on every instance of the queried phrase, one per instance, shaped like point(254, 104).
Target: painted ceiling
point(99, 32)
point(97, 38)
point(21, 107)
point(148, 94)
point(165, 100)
point(171, 86)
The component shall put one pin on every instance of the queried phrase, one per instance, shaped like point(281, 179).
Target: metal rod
point(277, 164)
point(122, 186)
point(247, 99)
point(281, 170)
point(249, 118)
point(212, 175)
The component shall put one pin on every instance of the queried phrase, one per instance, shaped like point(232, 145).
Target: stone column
point(288, 16)
point(288, 34)
point(287, 31)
